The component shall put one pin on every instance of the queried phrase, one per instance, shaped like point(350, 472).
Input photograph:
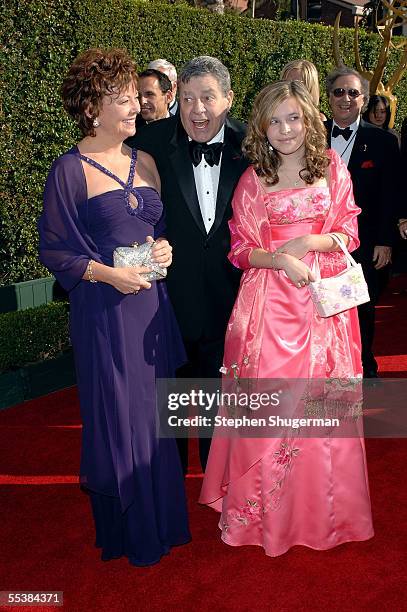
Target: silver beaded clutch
point(139, 255)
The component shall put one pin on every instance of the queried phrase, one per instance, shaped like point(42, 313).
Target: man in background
point(155, 95)
point(169, 69)
point(373, 160)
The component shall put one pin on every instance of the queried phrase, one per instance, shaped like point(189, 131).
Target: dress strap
point(96, 164)
point(133, 161)
point(127, 187)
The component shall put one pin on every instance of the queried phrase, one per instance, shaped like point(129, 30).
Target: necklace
point(289, 176)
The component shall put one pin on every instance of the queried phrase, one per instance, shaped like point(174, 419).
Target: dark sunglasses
point(339, 92)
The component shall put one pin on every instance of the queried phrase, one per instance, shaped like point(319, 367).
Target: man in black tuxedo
point(372, 156)
point(199, 159)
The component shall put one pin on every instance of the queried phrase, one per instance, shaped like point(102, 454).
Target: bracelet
point(89, 271)
point(273, 258)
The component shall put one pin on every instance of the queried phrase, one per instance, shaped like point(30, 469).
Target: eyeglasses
point(339, 92)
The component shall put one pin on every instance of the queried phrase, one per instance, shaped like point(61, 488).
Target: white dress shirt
point(206, 183)
point(344, 147)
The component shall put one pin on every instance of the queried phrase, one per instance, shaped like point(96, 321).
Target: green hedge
point(43, 37)
point(35, 334)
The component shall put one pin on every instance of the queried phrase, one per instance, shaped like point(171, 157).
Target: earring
point(270, 148)
point(95, 123)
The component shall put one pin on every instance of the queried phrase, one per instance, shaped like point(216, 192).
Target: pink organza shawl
point(250, 229)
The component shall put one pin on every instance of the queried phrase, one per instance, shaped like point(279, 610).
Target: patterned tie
point(211, 152)
point(346, 132)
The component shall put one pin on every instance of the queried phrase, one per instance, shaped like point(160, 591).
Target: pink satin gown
point(281, 492)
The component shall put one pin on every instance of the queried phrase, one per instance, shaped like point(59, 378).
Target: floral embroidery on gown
point(281, 492)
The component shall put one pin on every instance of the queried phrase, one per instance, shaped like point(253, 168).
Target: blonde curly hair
point(309, 76)
point(256, 146)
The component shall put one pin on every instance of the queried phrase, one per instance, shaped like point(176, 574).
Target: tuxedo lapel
point(359, 149)
point(182, 167)
point(229, 170)
point(328, 127)
point(359, 146)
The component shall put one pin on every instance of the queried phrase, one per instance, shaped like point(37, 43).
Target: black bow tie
point(346, 132)
point(211, 152)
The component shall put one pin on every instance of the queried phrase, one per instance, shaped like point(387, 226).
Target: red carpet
point(47, 531)
point(391, 330)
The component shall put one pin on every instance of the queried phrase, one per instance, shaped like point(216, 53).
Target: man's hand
point(403, 228)
point(381, 256)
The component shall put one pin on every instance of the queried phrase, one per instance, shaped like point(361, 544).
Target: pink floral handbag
point(341, 292)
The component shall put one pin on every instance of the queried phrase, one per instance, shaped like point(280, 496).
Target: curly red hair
point(96, 73)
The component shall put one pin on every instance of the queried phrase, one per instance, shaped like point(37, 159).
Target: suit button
point(206, 245)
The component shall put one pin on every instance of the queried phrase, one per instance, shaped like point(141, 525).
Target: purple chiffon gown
point(122, 343)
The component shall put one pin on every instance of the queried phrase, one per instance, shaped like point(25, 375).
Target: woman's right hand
point(128, 280)
point(297, 271)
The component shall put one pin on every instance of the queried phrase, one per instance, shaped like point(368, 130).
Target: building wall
point(329, 12)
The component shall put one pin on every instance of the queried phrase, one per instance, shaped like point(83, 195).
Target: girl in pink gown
point(280, 492)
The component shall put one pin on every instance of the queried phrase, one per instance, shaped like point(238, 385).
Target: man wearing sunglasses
point(372, 156)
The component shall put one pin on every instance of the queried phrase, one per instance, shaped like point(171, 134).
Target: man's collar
point(167, 116)
point(353, 126)
point(220, 136)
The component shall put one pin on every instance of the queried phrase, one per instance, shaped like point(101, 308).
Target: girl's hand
point(297, 271)
point(128, 280)
point(296, 247)
point(162, 251)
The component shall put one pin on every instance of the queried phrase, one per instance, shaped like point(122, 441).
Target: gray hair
point(207, 65)
point(346, 71)
point(162, 65)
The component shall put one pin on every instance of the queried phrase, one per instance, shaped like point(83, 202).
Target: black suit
point(140, 122)
point(374, 167)
point(202, 283)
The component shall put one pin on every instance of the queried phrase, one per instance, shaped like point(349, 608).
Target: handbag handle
point(340, 242)
point(350, 262)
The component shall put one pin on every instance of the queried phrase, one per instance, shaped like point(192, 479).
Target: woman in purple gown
point(98, 196)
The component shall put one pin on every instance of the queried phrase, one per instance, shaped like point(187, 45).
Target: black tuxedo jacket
point(374, 166)
point(202, 283)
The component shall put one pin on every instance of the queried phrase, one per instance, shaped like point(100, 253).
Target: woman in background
point(100, 195)
point(378, 113)
point(283, 491)
point(305, 72)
